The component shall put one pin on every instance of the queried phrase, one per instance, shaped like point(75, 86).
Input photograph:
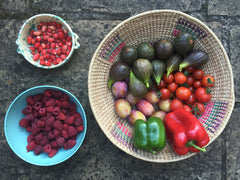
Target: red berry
point(70, 120)
point(29, 40)
point(53, 153)
point(31, 146)
point(72, 131)
point(58, 125)
point(37, 150)
point(71, 143)
point(60, 141)
point(36, 56)
point(23, 123)
point(61, 116)
point(80, 128)
point(37, 33)
point(65, 134)
point(60, 35)
point(47, 148)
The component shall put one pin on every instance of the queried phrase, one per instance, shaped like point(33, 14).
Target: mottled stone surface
point(98, 158)
point(224, 7)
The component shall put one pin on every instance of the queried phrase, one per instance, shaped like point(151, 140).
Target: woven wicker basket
point(150, 27)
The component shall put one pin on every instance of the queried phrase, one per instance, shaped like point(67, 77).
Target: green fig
point(159, 68)
point(136, 86)
point(142, 68)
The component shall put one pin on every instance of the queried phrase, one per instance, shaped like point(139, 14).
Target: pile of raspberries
point(52, 121)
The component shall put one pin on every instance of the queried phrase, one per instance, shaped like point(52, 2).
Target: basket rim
point(232, 95)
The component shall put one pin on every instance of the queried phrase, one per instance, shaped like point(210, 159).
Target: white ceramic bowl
point(23, 46)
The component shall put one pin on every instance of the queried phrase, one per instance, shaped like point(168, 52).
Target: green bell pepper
point(149, 135)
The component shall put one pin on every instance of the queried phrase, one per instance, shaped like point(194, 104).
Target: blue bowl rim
point(63, 90)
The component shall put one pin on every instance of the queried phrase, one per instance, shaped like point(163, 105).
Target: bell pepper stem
point(192, 143)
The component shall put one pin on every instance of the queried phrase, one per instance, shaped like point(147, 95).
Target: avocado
point(145, 51)
point(164, 49)
point(184, 43)
point(128, 54)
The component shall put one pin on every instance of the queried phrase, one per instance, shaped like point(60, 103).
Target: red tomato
point(165, 93)
point(168, 79)
point(207, 81)
point(161, 85)
point(176, 104)
point(191, 88)
point(180, 78)
point(197, 84)
point(198, 108)
point(190, 80)
point(187, 108)
point(198, 74)
point(183, 93)
point(172, 86)
point(191, 99)
point(190, 69)
point(202, 95)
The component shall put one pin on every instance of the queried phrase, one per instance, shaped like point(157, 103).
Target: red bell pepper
point(185, 132)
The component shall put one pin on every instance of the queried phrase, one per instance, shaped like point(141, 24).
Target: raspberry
point(50, 120)
point(71, 143)
point(60, 141)
point(30, 100)
point(30, 138)
point(65, 146)
point(58, 103)
point(35, 130)
point(37, 105)
point(76, 115)
point(37, 150)
point(51, 135)
point(72, 131)
point(47, 92)
point(50, 109)
point(44, 141)
point(48, 128)
point(56, 110)
point(65, 97)
point(78, 122)
point(38, 137)
point(65, 104)
point(65, 134)
point(42, 111)
point(56, 94)
point(80, 128)
point(29, 117)
point(56, 132)
point(58, 125)
point(28, 109)
point(38, 97)
point(65, 126)
point(53, 153)
point(72, 106)
point(31, 146)
point(61, 116)
point(40, 123)
point(53, 143)
point(29, 128)
point(65, 111)
point(47, 148)
point(23, 122)
point(70, 120)
point(50, 102)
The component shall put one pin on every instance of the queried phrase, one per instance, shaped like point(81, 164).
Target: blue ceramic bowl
point(17, 136)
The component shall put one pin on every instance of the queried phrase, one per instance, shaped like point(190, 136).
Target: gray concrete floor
point(98, 158)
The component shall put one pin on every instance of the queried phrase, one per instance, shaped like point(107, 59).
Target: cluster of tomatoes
point(188, 89)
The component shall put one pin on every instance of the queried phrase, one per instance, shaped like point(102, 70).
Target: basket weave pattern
point(150, 27)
